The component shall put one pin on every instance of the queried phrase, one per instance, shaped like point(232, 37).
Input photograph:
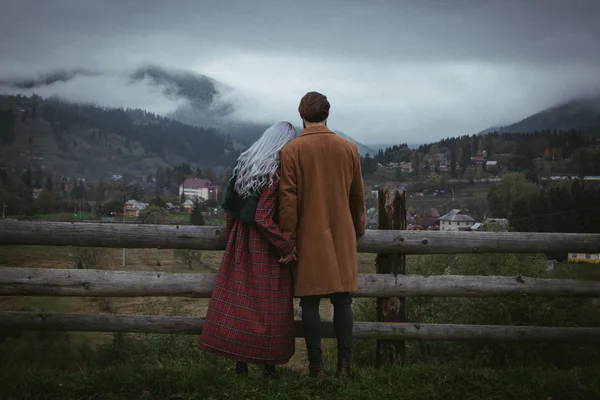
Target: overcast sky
point(394, 71)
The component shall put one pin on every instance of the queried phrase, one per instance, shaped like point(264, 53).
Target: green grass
point(512, 311)
point(79, 365)
point(176, 380)
point(170, 367)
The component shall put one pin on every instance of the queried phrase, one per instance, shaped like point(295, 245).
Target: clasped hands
point(288, 258)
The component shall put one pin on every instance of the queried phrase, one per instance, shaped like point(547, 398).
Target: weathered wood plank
point(392, 216)
point(211, 238)
point(369, 330)
point(108, 283)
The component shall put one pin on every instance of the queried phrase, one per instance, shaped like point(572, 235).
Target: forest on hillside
point(564, 206)
point(567, 152)
point(158, 135)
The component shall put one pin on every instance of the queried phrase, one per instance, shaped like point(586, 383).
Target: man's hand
point(289, 257)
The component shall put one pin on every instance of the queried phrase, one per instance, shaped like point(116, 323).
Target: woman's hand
point(289, 257)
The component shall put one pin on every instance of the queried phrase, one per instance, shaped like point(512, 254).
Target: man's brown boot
point(316, 370)
point(344, 368)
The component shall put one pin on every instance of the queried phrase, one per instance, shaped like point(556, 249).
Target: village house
point(477, 160)
point(133, 208)
point(35, 193)
point(188, 206)
point(202, 189)
point(593, 258)
point(442, 163)
point(406, 167)
point(456, 220)
point(372, 218)
point(427, 218)
point(67, 186)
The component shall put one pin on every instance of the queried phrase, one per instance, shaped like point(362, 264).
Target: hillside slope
point(580, 114)
point(201, 97)
point(362, 149)
point(83, 140)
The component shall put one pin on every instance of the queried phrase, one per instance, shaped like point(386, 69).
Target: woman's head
point(258, 165)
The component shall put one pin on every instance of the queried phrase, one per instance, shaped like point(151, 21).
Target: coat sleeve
point(264, 218)
point(288, 196)
point(357, 197)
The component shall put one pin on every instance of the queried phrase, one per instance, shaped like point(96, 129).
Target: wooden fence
point(389, 284)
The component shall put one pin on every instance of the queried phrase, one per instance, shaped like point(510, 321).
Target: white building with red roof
point(202, 189)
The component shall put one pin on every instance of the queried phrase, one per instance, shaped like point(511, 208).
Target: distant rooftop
point(456, 216)
point(197, 183)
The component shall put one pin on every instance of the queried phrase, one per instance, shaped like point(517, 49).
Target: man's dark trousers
point(342, 324)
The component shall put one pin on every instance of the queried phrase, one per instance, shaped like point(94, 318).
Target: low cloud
point(400, 71)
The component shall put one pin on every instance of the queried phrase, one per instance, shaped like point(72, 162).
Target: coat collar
point(316, 129)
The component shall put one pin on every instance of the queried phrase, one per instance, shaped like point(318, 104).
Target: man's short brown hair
point(314, 107)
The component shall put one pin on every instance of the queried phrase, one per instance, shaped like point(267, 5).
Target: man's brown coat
point(321, 206)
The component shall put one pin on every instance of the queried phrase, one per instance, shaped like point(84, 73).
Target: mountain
point(93, 142)
point(201, 95)
point(362, 149)
point(201, 105)
point(490, 130)
point(46, 79)
point(580, 114)
point(247, 132)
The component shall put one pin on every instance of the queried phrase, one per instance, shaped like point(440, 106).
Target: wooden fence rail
point(109, 283)
point(212, 238)
point(389, 283)
point(371, 330)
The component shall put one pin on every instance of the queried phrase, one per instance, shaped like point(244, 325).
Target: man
point(322, 207)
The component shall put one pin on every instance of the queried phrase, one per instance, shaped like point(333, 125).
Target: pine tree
point(197, 218)
point(101, 192)
point(27, 178)
point(453, 158)
point(136, 193)
point(7, 127)
point(367, 164)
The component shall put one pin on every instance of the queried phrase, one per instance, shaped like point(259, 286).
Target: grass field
point(135, 260)
point(83, 365)
point(199, 377)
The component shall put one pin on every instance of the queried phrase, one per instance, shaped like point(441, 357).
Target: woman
point(250, 316)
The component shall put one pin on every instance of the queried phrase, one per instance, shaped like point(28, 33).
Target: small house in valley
point(593, 258)
point(426, 218)
point(456, 220)
point(201, 189)
point(133, 208)
point(188, 206)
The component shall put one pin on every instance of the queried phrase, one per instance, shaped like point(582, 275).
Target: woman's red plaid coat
point(250, 316)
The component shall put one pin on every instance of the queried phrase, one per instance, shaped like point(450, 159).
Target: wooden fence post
point(392, 215)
